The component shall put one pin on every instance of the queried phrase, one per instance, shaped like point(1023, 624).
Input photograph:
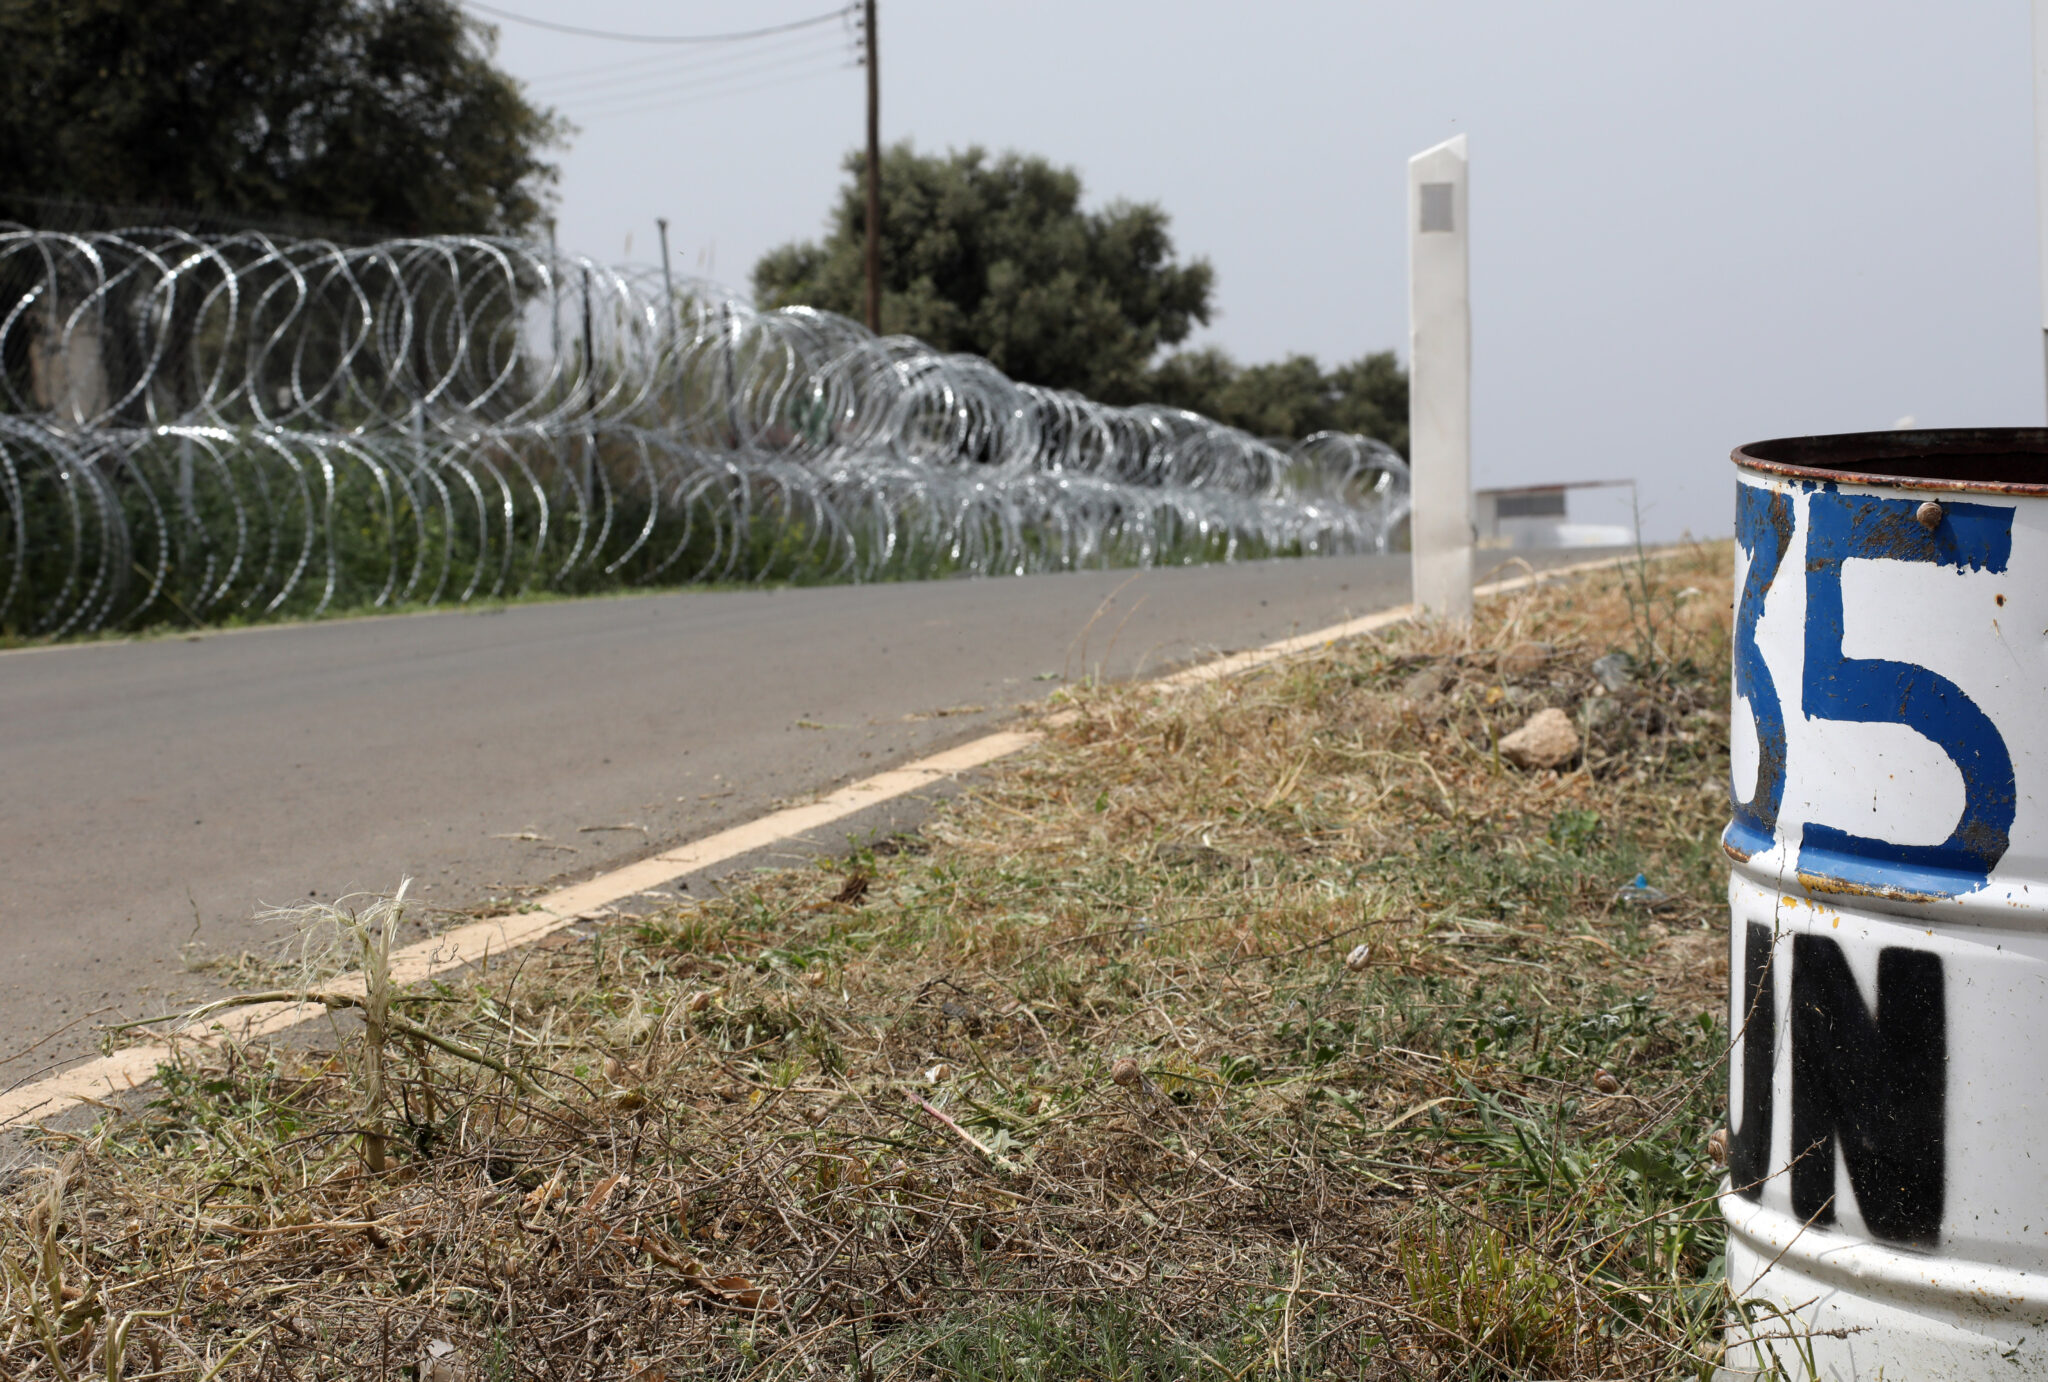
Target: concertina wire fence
point(202, 429)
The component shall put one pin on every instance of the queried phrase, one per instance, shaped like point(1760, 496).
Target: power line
point(697, 96)
point(666, 62)
point(637, 91)
point(708, 85)
point(602, 90)
point(736, 37)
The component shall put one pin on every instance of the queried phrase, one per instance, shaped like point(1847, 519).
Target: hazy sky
point(1692, 226)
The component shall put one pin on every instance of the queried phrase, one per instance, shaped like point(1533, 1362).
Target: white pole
point(2041, 156)
point(1440, 381)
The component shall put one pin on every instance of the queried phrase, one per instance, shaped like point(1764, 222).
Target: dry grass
point(1273, 1029)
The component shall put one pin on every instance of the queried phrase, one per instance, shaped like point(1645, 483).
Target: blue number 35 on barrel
point(1839, 528)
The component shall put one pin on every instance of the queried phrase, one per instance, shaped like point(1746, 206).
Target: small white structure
point(1440, 381)
point(1538, 516)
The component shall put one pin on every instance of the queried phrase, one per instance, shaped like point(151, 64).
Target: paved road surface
point(159, 793)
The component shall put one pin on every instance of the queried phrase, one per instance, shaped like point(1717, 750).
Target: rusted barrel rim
point(1983, 460)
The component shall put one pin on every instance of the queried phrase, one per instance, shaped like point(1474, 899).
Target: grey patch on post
point(1436, 207)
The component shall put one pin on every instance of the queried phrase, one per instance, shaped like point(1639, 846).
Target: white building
point(1560, 515)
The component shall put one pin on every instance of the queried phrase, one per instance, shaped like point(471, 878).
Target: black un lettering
point(1874, 1084)
point(1749, 1141)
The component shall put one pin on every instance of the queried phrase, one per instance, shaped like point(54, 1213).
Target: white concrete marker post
point(2041, 158)
point(1440, 381)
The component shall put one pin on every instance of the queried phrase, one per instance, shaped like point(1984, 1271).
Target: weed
point(364, 938)
point(1516, 1312)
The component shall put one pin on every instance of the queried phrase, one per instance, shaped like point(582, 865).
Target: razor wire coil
point(208, 428)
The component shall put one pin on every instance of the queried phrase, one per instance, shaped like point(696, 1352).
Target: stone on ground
point(1546, 741)
point(1615, 671)
point(1428, 681)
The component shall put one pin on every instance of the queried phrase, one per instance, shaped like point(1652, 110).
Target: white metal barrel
point(1887, 1198)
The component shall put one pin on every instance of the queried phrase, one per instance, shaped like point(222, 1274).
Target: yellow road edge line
point(134, 1066)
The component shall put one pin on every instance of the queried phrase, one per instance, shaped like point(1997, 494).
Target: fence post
point(1440, 382)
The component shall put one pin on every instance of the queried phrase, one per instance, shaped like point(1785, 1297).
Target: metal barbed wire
point(215, 428)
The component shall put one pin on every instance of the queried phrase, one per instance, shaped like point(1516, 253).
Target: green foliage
point(998, 258)
point(1574, 831)
point(1500, 1300)
point(1294, 397)
point(385, 113)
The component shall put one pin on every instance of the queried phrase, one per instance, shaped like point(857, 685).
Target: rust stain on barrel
point(1964, 460)
point(1825, 884)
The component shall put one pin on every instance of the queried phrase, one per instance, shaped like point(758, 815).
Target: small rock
point(1615, 671)
point(1524, 658)
point(1428, 681)
point(1606, 1083)
point(1546, 741)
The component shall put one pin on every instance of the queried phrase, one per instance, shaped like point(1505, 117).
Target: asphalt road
point(160, 793)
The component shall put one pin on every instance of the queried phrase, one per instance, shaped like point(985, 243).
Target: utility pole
point(668, 284)
point(875, 175)
point(554, 297)
point(589, 359)
point(590, 399)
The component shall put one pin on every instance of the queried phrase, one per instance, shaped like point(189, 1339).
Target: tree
point(385, 114)
point(998, 258)
point(1291, 398)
